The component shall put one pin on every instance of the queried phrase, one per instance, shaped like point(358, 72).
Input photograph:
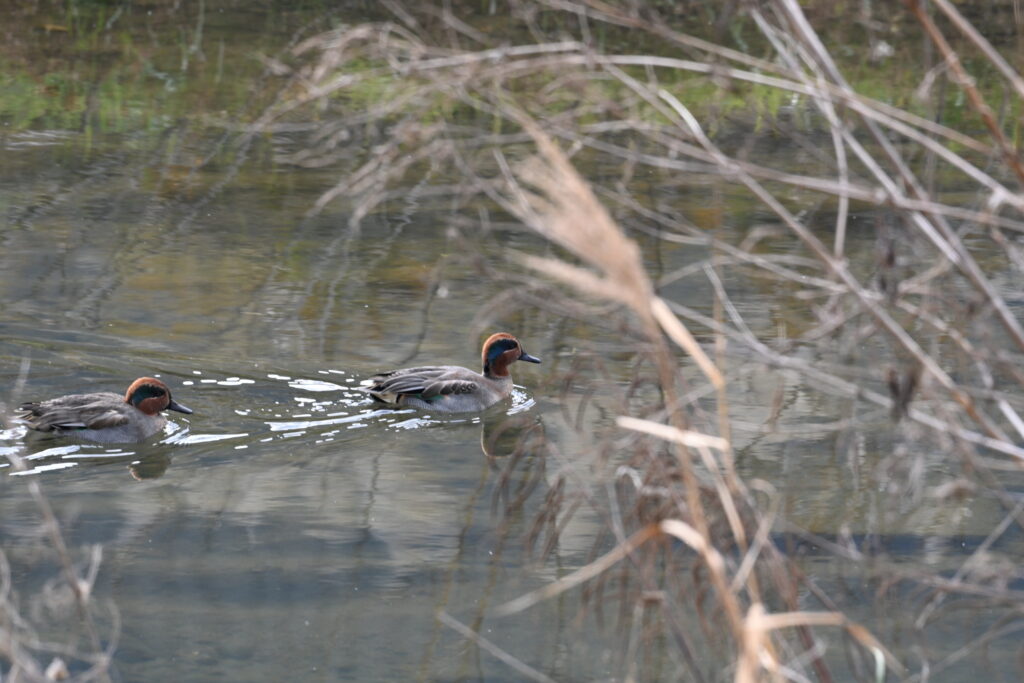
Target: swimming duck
point(105, 417)
point(449, 388)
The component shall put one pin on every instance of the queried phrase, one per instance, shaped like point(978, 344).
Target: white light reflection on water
point(45, 468)
point(56, 451)
point(521, 401)
point(38, 138)
point(186, 438)
point(314, 385)
point(108, 455)
point(226, 382)
point(339, 418)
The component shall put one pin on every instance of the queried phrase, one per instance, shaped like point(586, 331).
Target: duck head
point(500, 351)
point(150, 395)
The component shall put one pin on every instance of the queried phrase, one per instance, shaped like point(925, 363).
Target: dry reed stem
point(568, 218)
point(1000, 195)
point(716, 567)
point(965, 27)
point(933, 226)
point(839, 269)
point(899, 121)
point(570, 215)
point(825, 104)
point(561, 206)
point(581, 575)
point(515, 663)
point(830, 382)
point(759, 624)
point(822, 91)
point(1010, 154)
point(702, 443)
point(663, 431)
point(678, 333)
point(976, 558)
point(81, 587)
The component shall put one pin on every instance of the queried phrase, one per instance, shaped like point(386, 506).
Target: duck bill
point(528, 358)
point(174, 405)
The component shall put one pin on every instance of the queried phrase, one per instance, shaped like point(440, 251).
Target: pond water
point(290, 529)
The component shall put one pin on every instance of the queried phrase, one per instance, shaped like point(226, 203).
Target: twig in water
point(480, 641)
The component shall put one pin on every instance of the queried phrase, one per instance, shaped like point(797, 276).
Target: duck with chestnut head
point(450, 388)
point(105, 417)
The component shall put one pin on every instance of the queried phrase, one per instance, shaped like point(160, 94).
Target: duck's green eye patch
point(499, 347)
point(145, 391)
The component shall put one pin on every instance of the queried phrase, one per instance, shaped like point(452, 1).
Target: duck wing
point(444, 387)
point(424, 382)
point(78, 411)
